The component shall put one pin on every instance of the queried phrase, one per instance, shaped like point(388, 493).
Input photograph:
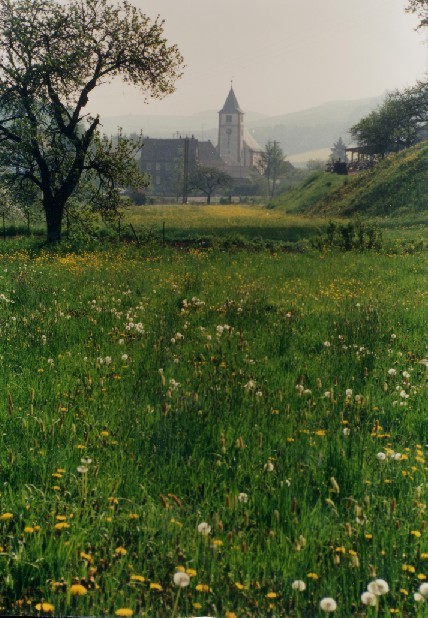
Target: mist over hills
point(298, 132)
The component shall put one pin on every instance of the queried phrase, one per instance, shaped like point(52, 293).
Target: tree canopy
point(420, 7)
point(274, 166)
point(398, 123)
point(52, 56)
point(208, 180)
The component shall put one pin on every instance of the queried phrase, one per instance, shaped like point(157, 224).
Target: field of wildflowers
point(213, 433)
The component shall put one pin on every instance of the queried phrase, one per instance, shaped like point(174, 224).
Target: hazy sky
point(283, 55)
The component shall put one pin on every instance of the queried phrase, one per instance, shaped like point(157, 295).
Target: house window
point(228, 117)
point(158, 166)
point(158, 180)
point(148, 166)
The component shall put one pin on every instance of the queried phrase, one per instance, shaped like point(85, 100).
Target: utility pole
point(186, 170)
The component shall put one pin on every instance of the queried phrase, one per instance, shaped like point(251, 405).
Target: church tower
point(231, 131)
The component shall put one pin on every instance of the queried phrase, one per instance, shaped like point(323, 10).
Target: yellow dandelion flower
point(45, 607)
point(56, 475)
point(340, 550)
point(60, 470)
point(408, 568)
point(120, 551)
point(124, 611)
point(416, 533)
point(197, 606)
point(313, 575)
point(37, 528)
point(191, 572)
point(6, 516)
point(404, 591)
point(180, 568)
point(62, 525)
point(230, 615)
point(61, 517)
point(203, 588)
point(138, 578)
point(421, 576)
point(56, 488)
point(424, 555)
point(104, 434)
point(29, 529)
point(154, 586)
point(133, 516)
point(78, 590)
point(271, 595)
point(217, 542)
point(368, 536)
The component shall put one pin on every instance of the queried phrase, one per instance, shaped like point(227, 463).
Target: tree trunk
point(54, 212)
point(209, 198)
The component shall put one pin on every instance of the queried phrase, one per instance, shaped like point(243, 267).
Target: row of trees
point(400, 122)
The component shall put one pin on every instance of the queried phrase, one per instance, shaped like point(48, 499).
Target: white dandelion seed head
point(204, 528)
point(243, 497)
point(381, 456)
point(181, 579)
point(423, 590)
point(419, 598)
point(298, 585)
point(368, 598)
point(328, 604)
point(378, 587)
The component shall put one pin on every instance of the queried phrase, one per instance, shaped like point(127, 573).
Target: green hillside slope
point(397, 185)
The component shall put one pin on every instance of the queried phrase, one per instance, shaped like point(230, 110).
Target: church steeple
point(231, 131)
point(231, 105)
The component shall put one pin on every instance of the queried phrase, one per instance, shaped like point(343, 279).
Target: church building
point(169, 161)
point(236, 146)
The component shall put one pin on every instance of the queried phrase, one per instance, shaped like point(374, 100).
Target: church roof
point(231, 104)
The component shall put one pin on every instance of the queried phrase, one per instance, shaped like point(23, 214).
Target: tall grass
point(145, 394)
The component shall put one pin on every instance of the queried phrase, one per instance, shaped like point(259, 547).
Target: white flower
point(181, 579)
point(348, 393)
point(121, 341)
point(82, 469)
point(107, 360)
point(86, 461)
point(368, 598)
point(327, 394)
point(307, 392)
point(419, 598)
point(124, 357)
point(423, 589)
point(243, 497)
point(396, 456)
point(204, 528)
point(392, 372)
point(381, 456)
point(299, 585)
point(328, 604)
point(378, 587)
point(268, 467)
point(327, 344)
point(406, 375)
point(393, 336)
point(346, 431)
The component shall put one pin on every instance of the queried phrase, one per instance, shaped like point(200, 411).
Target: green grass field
point(251, 420)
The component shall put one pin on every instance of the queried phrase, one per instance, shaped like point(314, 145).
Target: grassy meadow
point(190, 432)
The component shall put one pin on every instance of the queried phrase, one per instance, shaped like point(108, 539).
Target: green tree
point(338, 151)
point(208, 180)
point(398, 123)
point(52, 56)
point(274, 166)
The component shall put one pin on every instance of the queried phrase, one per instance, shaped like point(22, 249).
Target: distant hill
point(396, 185)
point(299, 132)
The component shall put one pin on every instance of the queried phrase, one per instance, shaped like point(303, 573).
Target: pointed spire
point(231, 104)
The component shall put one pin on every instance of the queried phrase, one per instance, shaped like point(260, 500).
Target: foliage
point(396, 124)
point(208, 180)
point(309, 192)
point(338, 151)
point(45, 84)
point(420, 7)
point(350, 236)
point(274, 166)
